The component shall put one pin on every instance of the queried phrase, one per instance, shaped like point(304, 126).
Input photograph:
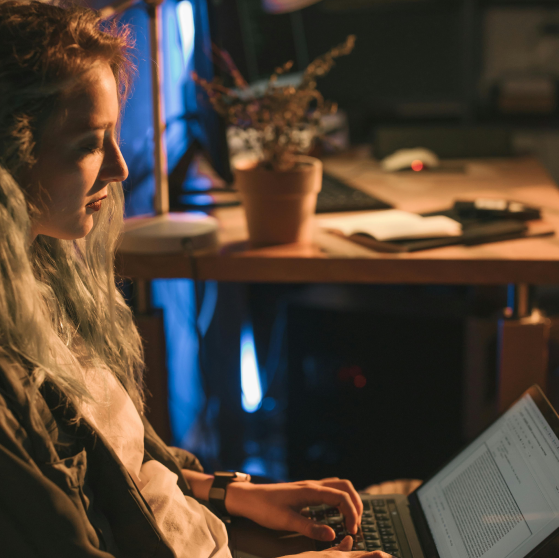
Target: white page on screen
point(500, 497)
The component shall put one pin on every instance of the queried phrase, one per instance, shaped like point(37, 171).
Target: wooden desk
point(336, 260)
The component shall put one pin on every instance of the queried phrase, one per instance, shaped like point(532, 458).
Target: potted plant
point(281, 123)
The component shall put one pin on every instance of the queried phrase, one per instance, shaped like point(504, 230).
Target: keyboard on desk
point(375, 533)
point(337, 196)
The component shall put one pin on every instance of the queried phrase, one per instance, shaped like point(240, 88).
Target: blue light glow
point(185, 41)
point(197, 199)
point(208, 307)
point(185, 17)
point(186, 396)
point(250, 376)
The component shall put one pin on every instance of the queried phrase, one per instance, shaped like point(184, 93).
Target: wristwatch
point(218, 491)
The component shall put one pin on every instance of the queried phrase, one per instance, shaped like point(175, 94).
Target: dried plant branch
point(225, 60)
point(286, 119)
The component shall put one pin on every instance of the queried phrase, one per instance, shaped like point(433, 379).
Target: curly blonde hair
point(60, 311)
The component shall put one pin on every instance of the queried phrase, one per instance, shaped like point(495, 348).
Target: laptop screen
point(499, 498)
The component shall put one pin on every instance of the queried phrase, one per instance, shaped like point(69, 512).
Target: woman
point(83, 473)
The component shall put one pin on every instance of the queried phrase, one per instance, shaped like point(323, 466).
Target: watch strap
point(218, 490)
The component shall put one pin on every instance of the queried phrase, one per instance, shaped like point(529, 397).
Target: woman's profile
point(82, 471)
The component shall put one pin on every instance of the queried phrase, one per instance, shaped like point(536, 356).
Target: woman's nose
point(114, 167)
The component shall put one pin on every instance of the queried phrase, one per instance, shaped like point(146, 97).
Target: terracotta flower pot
point(280, 205)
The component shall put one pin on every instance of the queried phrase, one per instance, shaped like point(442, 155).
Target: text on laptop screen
point(500, 497)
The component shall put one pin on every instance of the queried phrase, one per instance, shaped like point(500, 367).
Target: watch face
point(233, 476)
point(225, 474)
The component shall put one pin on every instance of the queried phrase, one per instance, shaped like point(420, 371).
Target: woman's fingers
point(345, 546)
point(346, 486)
point(311, 528)
point(319, 494)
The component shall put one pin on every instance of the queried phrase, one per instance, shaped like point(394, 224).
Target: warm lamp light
point(284, 6)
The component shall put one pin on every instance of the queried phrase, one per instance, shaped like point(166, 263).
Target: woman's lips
point(95, 205)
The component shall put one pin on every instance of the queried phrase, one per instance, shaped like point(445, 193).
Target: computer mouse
point(416, 159)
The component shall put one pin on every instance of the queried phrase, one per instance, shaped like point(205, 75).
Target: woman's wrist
point(200, 483)
point(236, 497)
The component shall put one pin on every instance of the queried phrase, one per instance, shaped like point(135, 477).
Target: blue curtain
point(185, 122)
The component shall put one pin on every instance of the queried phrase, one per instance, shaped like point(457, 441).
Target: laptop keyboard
point(375, 533)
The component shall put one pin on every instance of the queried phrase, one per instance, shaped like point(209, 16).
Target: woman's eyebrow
point(92, 127)
point(85, 123)
point(88, 129)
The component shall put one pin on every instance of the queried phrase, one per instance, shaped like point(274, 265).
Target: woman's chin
point(85, 230)
point(82, 229)
point(73, 231)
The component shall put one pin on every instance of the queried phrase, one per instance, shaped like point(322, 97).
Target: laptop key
point(386, 534)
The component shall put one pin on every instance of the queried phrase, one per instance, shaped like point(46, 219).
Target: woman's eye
point(91, 149)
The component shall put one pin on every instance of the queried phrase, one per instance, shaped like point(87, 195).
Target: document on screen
point(499, 498)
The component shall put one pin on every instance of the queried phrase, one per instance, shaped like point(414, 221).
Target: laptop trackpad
point(249, 540)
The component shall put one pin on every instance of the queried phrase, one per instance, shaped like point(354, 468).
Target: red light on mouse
point(417, 165)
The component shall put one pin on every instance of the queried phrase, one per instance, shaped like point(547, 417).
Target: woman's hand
point(345, 547)
point(278, 506)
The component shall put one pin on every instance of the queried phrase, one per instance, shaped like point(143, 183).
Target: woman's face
point(78, 156)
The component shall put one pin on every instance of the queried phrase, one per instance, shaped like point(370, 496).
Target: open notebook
point(399, 231)
point(393, 224)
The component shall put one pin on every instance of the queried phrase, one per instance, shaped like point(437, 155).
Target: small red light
point(354, 371)
point(417, 165)
point(360, 381)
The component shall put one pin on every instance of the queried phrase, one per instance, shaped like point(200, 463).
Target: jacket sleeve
point(160, 451)
point(37, 517)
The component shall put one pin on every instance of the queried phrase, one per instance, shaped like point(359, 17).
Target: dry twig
point(286, 118)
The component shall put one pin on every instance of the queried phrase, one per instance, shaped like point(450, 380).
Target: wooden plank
point(344, 270)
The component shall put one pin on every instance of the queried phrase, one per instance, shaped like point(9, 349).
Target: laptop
point(497, 498)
